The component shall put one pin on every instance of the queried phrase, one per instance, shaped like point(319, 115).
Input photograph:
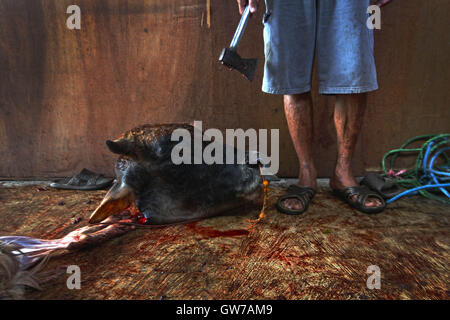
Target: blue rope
point(434, 172)
point(413, 190)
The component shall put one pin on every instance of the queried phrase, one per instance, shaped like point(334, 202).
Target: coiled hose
point(426, 178)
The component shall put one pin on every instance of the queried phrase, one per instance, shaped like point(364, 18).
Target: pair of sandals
point(372, 186)
point(84, 180)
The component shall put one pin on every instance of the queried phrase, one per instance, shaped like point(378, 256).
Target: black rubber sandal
point(303, 194)
point(85, 180)
point(362, 194)
point(385, 187)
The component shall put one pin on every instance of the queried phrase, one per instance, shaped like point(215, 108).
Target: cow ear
point(118, 146)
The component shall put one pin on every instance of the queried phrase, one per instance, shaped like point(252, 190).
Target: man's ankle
point(342, 178)
point(308, 179)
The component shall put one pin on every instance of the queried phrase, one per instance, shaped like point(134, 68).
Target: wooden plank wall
point(63, 92)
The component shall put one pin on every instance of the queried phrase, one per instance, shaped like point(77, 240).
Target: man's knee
point(354, 98)
point(297, 100)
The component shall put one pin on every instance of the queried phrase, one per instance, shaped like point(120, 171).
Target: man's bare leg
point(299, 116)
point(348, 117)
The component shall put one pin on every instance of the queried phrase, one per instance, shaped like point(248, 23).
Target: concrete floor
point(323, 254)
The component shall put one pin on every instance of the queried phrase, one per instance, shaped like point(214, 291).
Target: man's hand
point(381, 3)
point(252, 3)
